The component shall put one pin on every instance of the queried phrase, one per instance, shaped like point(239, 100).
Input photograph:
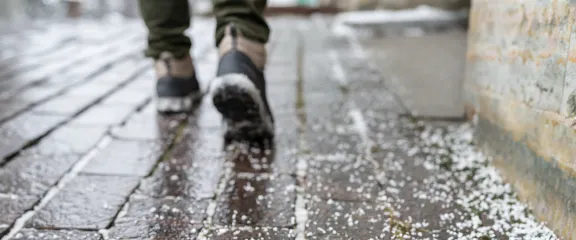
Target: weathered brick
point(192, 169)
point(12, 207)
point(353, 180)
point(149, 218)
point(33, 234)
point(347, 220)
point(89, 202)
point(32, 175)
point(257, 201)
point(132, 158)
point(19, 131)
point(260, 233)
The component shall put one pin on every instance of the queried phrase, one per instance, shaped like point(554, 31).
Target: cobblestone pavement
point(83, 155)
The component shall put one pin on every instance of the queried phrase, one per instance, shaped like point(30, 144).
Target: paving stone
point(33, 234)
point(32, 175)
point(192, 170)
point(94, 89)
point(347, 220)
point(146, 81)
point(251, 158)
point(377, 100)
point(10, 108)
point(19, 131)
point(89, 202)
point(257, 200)
point(64, 105)
point(121, 72)
point(333, 142)
point(143, 126)
point(12, 207)
point(149, 218)
point(258, 233)
point(349, 181)
point(128, 96)
point(104, 115)
point(120, 157)
point(69, 139)
point(35, 94)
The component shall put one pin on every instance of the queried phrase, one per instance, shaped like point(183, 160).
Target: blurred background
point(399, 35)
point(30, 10)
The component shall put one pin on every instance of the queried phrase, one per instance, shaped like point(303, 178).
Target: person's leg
point(239, 91)
point(167, 21)
point(246, 15)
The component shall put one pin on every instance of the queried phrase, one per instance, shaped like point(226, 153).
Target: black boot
point(239, 91)
point(177, 88)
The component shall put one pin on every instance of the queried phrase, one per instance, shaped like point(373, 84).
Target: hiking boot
point(177, 88)
point(239, 90)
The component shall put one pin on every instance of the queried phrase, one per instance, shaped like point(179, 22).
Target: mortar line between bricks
point(359, 121)
point(208, 222)
point(54, 190)
point(360, 54)
point(123, 209)
point(355, 113)
point(35, 141)
point(301, 166)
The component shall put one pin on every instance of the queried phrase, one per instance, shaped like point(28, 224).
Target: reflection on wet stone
point(148, 218)
point(173, 180)
point(12, 207)
point(89, 202)
point(258, 233)
point(191, 170)
point(349, 181)
point(32, 175)
point(32, 234)
point(347, 220)
point(257, 200)
point(134, 158)
point(250, 157)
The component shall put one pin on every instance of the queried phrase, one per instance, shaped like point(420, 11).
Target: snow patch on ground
point(342, 23)
point(488, 196)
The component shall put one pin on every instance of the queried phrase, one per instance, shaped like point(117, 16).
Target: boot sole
point(241, 106)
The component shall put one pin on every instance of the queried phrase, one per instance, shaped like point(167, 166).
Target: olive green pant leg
point(247, 15)
point(167, 21)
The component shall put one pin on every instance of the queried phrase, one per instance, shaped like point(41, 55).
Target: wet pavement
point(83, 154)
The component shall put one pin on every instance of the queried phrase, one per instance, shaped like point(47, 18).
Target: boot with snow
point(239, 91)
